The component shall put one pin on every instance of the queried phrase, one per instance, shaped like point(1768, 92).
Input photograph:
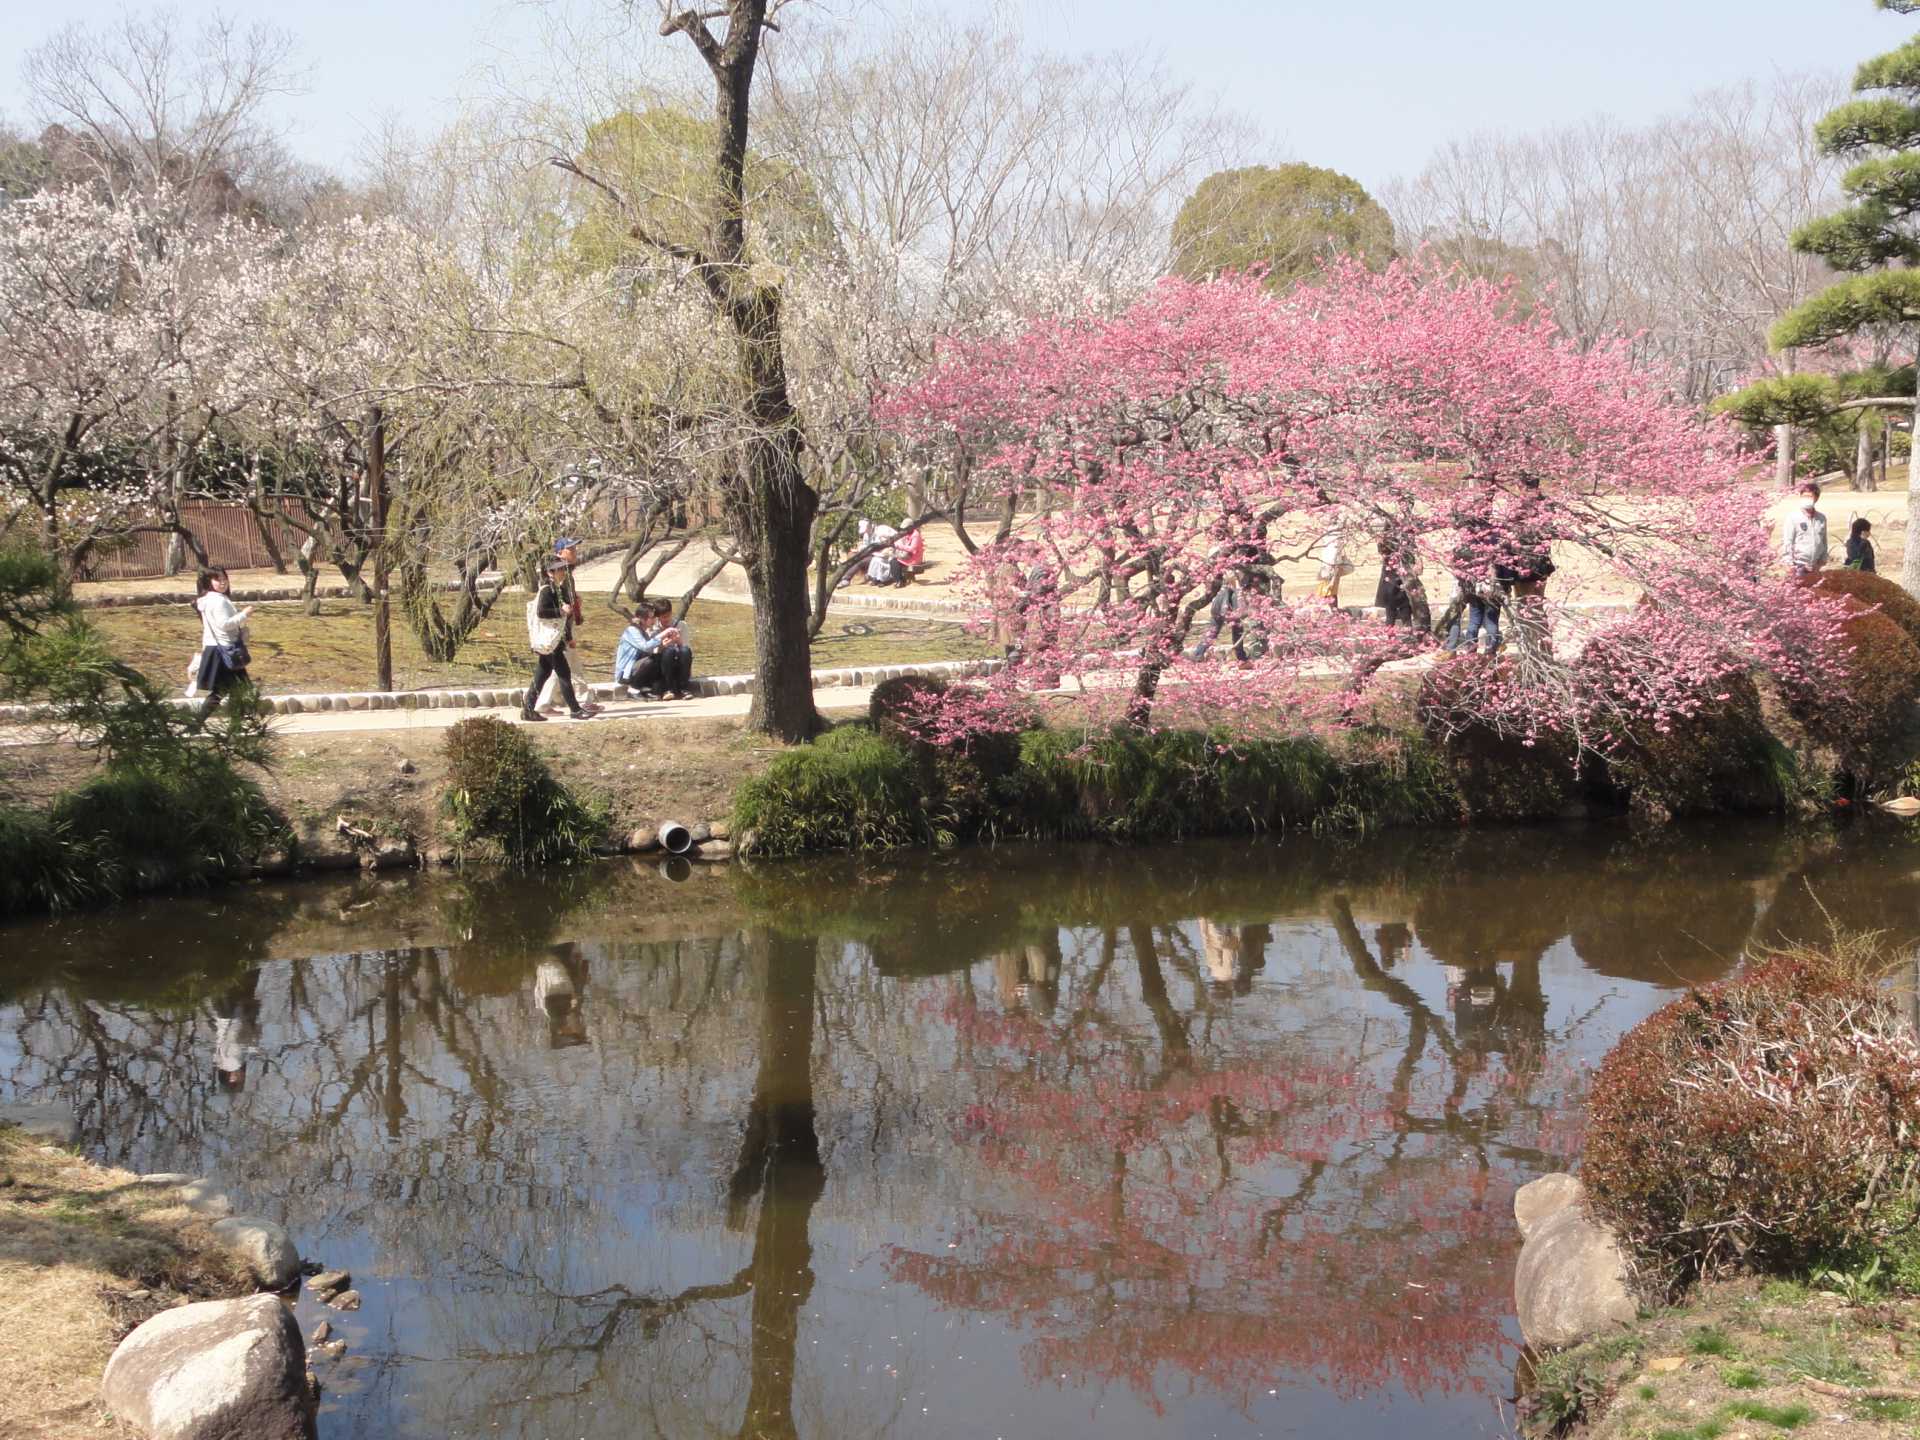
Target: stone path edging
point(496, 697)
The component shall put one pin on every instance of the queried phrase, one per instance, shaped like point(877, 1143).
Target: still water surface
point(1218, 1140)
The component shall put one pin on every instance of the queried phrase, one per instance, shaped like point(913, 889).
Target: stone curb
point(505, 697)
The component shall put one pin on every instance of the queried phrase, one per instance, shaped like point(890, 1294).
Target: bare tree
point(140, 102)
point(1676, 232)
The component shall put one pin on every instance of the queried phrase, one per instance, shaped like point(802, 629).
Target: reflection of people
point(557, 984)
point(236, 1030)
point(1394, 938)
point(1233, 954)
point(1030, 975)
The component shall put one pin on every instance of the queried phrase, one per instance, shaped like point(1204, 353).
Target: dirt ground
point(1752, 1359)
point(85, 1255)
point(685, 770)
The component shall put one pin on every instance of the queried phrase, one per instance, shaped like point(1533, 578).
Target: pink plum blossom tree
point(1213, 430)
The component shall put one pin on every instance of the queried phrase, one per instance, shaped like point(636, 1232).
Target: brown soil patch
point(85, 1256)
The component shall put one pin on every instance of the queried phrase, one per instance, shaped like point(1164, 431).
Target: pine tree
point(1877, 237)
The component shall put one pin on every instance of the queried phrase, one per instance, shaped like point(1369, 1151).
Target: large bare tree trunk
point(1783, 438)
point(769, 504)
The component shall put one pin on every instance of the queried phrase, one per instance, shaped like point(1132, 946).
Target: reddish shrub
point(1866, 711)
point(1872, 590)
point(1763, 1121)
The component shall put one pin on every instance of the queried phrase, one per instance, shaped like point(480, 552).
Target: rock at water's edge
point(263, 1247)
point(1572, 1282)
point(212, 1371)
point(1543, 1199)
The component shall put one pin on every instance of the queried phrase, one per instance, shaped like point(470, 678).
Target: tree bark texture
point(768, 502)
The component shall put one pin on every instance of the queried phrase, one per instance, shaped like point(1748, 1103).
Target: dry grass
point(77, 1241)
point(298, 653)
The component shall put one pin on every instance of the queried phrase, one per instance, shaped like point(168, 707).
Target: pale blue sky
point(1365, 88)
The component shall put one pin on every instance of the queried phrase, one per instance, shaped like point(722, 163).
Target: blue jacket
point(633, 644)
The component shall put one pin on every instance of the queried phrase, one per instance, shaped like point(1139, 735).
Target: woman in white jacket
point(223, 639)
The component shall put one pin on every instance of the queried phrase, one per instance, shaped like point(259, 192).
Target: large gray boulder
point(1573, 1280)
point(263, 1247)
point(219, 1370)
point(1543, 1198)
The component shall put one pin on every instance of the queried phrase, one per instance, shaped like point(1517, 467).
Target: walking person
point(1860, 545)
point(1228, 612)
point(1803, 543)
point(223, 639)
point(1333, 564)
point(549, 628)
point(566, 550)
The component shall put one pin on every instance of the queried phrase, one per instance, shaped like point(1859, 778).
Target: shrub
point(1718, 760)
point(1496, 774)
point(849, 790)
point(504, 801)
point(1867, 711)
point(1874, 590)
point(1765, 1121)
point(897, 706)
point(141, 829)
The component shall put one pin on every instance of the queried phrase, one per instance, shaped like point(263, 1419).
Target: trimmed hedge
point(1873, 589)
point(1498, 776)
point(1767, 1121)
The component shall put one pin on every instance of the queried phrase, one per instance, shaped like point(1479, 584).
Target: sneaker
point(531, 716)
point(583, 714)
point(589, 708)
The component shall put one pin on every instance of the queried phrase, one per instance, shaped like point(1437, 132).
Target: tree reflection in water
point(614, 1157)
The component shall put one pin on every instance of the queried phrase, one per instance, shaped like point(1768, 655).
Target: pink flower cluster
point(1212, 432)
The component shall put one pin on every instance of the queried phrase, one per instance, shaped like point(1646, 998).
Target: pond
point(1216, 1140)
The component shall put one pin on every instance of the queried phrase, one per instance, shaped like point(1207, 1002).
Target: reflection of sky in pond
point(1219, 1140)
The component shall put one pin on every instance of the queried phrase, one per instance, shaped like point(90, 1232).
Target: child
point(1860, 545)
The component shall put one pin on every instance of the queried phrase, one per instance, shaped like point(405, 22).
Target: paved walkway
point(707, 707)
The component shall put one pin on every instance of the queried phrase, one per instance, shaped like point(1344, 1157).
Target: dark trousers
point(644, 675)
point(554, 664)
point(676, 667)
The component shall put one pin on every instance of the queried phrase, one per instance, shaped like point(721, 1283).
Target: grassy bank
point(1751, 1358)
point(85, 1255)
point(296, 652)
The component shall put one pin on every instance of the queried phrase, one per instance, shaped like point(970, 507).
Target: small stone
point(138, 1295)
point(700, 833)
point(203, 1197)
point(345, 1300)
point(322, 1331)
point(1666, 1364)
point(720, 830)
point(263, 1247)
point(714, 850)
point(407, 767)
point(639, 842)
point(332, 1349)
point(328, 1281)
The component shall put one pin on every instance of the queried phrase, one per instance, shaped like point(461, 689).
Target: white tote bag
point(544, 635)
